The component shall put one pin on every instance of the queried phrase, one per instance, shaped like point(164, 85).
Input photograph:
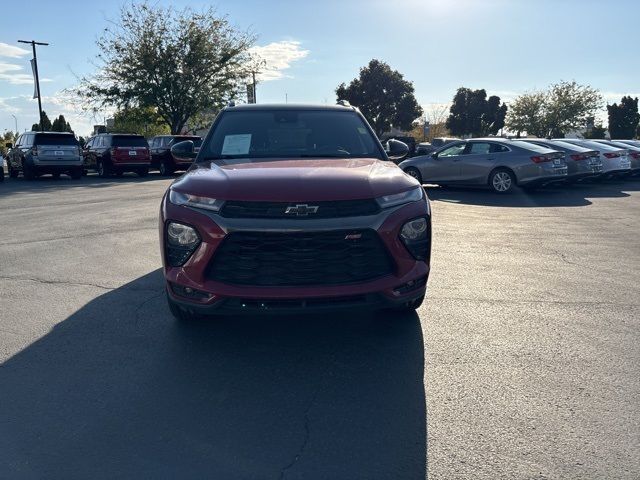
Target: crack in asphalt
point(76, 284)
point(305, 441)
point(86, 235)
point(551, 302)
point(144, 302)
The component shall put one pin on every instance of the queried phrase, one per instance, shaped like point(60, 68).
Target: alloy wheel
point(501, 182)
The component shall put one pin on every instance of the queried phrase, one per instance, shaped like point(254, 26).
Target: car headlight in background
point(181, 241)
point(206, 203)
point(409, 196)
point(416, 237)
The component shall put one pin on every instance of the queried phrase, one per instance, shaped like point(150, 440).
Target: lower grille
point(300, 258)
point(298, 303)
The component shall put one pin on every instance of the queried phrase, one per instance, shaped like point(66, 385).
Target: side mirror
point(396, 150)
point(184, 151)
point(8, 145)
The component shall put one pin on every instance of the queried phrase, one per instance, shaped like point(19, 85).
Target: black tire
point(166, 169)
point(1, 174)
point(180, 313)
point(29, 171)
point(415, 173)
point(502, 181)
point(76, 173)
point(411, 306)
point(142, 172)
point(103, 169)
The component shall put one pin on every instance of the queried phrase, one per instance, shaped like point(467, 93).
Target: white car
point(615, 160)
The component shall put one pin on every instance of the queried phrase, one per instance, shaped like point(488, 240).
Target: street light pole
point(15, 120)
point(35, 71)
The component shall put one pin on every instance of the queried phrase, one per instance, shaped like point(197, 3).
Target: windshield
point(129, 141)
point(53, 139)
point(290, 134)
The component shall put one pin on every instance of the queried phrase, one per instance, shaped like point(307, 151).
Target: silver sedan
point(498, 163)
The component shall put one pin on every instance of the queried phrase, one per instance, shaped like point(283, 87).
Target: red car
point(292, 209)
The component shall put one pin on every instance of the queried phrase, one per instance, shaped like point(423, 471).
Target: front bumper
point(406, 282)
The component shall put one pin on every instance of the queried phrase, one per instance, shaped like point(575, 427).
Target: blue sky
point(504, 46)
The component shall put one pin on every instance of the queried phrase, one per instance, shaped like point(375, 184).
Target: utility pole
point(255, 98)
point(35, 71)
point(15, 120)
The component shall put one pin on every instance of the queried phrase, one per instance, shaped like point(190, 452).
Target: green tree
point(141, 120)
point(60, 124)
point(7, 137)
point(526, 114)
point(178, 62)
point(471, 113)
point(494, 116)
point(564, 107)
point(597, 132)
point(46, 123)
point(568, 107)
point(383, 96)
point(623, 118)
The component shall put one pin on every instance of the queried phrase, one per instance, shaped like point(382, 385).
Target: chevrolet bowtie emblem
point(301, 210)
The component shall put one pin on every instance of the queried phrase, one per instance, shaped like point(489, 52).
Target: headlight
point(416, 237)
point(182, 241)
point(409, 196)
point(178, 198)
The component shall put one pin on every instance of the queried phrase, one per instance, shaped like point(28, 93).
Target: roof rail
point(344, 103)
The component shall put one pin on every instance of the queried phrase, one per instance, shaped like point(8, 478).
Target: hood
point(295, 180)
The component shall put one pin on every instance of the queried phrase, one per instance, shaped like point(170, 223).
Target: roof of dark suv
point(288, 106)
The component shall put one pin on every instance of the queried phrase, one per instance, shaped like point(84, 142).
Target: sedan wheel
point(502, 181)
point(414, 173)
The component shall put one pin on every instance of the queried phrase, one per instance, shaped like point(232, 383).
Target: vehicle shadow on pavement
point(576, 195)
point(121, 390)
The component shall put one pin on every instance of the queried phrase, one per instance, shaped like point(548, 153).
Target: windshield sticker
point(236, 144)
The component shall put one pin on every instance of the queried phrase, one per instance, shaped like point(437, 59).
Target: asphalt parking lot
point(522, 364)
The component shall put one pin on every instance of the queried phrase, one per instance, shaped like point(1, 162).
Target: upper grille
point(333, 209)
point(300, 258)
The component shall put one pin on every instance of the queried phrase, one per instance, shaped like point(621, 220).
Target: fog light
point(189, 292)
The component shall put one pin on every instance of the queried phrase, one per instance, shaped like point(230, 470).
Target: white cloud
point(14, 74)
point(278, 57)
point(11, 51)
point(9, 67)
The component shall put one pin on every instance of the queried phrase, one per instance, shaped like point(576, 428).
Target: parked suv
point(37, 153)
point(116, 153)
point(161, 157)
point(290, 209)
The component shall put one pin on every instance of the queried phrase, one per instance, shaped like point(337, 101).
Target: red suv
point(293, 208)
point(116, 153)
point(161, 157)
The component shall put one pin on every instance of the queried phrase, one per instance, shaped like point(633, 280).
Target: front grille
point(300, 258)
point(334, 209)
